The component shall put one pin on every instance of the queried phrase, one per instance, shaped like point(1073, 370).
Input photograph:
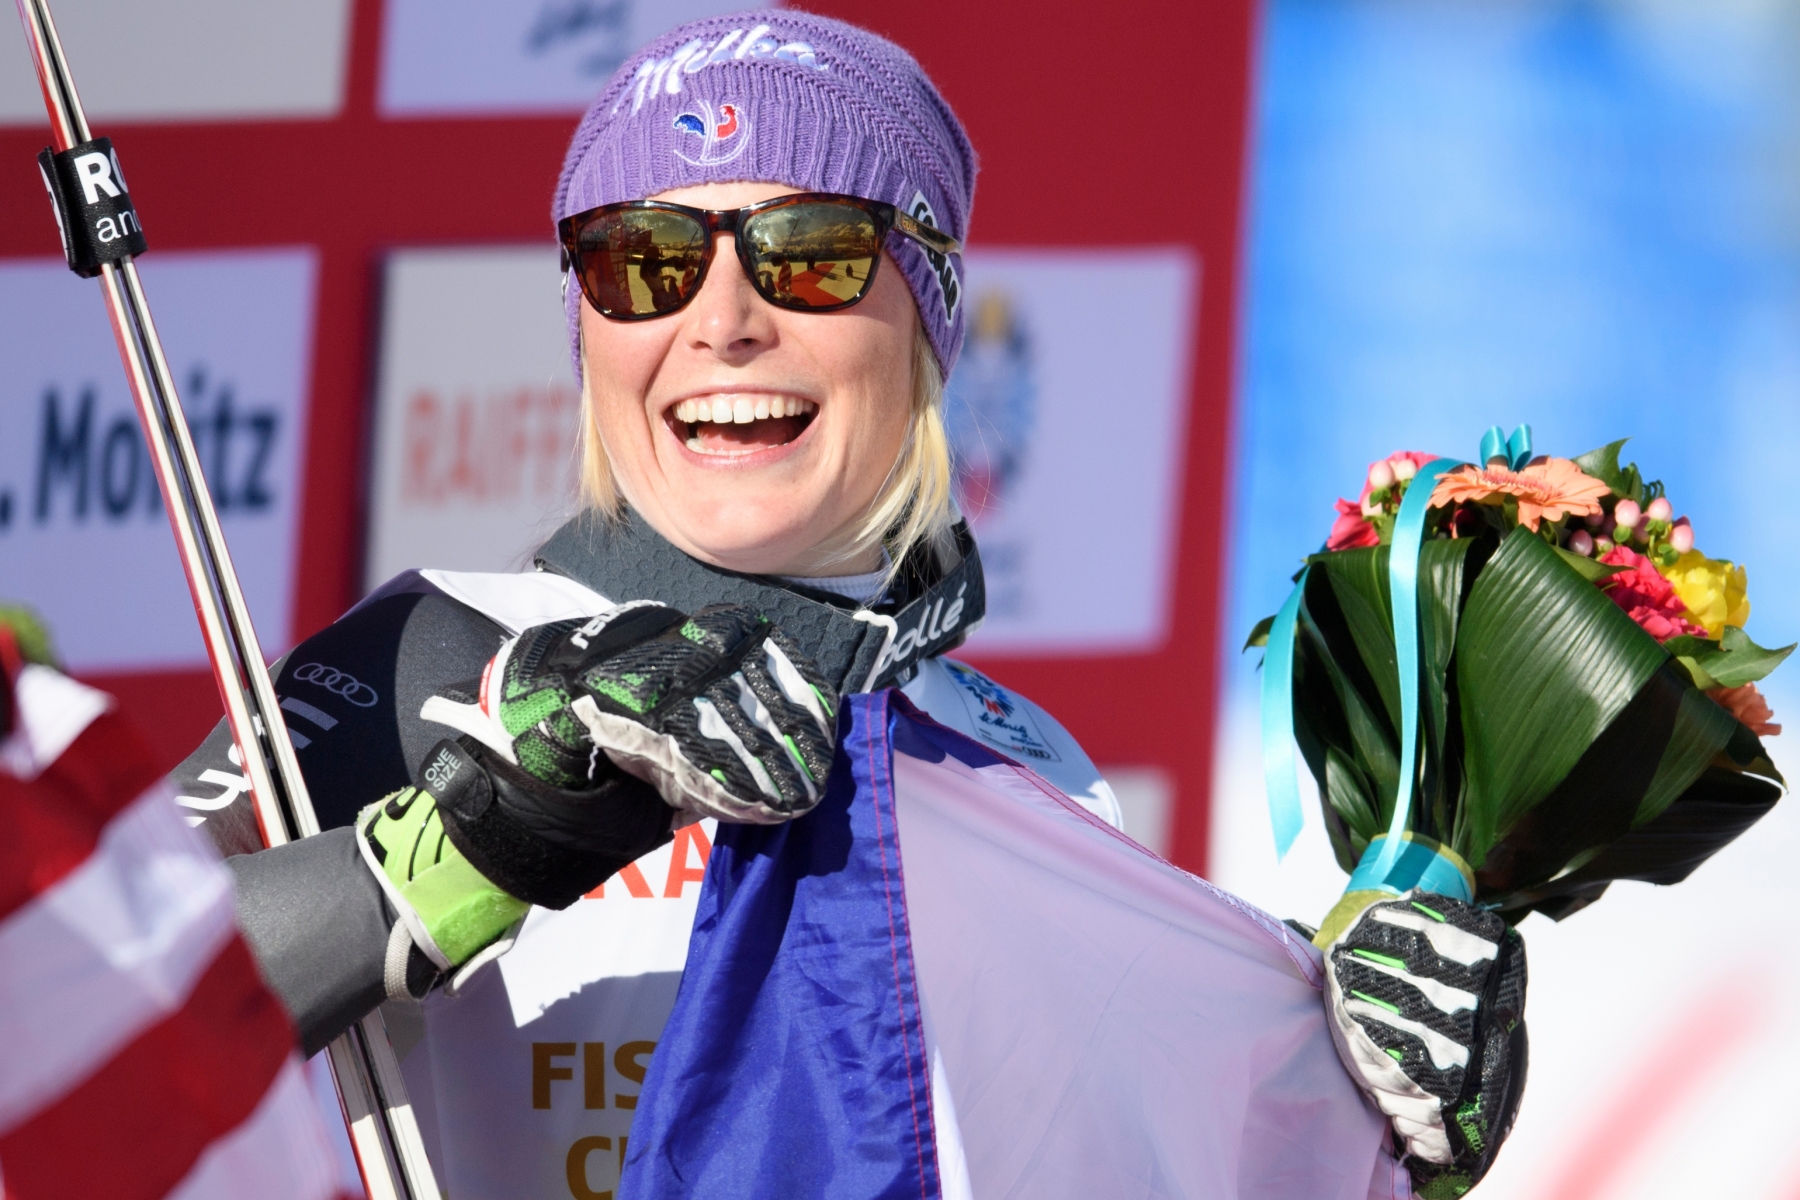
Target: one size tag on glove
point(93, 208)
point(456, 781)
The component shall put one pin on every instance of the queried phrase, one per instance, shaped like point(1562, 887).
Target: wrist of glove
point(478, 841)
point(1427, 1003)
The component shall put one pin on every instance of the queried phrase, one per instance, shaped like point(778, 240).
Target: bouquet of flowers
point(1516, 681)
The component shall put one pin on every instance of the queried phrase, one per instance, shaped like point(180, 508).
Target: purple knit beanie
point(783, 97)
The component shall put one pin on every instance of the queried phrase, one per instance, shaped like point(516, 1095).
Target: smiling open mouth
point(731, 426)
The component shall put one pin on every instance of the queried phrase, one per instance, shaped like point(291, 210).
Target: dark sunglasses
point(815, 251)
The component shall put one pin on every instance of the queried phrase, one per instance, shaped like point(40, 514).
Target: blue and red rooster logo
point(723, 135)
point(994, 699)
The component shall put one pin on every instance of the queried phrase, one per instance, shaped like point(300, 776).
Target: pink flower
point(1646, 596)
point(1351, 529)
point(1413, 458)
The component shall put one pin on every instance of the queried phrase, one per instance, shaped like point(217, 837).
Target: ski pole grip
point(93, 209)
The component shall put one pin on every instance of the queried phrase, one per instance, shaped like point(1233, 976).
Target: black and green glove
point(720, 711)
point(585, 744)
point(1427, 1000)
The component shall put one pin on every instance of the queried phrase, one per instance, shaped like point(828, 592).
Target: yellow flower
point(1712, 591)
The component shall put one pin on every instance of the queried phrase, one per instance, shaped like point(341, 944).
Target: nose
point(727, 318)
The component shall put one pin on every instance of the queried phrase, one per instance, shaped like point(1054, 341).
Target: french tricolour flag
point(950, 981)
point(141, 1055)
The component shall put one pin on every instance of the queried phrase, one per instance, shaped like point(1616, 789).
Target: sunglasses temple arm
point(935, 240)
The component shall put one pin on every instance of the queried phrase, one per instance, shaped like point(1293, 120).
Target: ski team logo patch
point(1000, 718)
point(721, 136)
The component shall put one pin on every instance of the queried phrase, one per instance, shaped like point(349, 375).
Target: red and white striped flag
point(141, 1054)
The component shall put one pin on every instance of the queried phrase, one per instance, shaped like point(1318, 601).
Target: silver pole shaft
point(371, 1090)
point(299, 806)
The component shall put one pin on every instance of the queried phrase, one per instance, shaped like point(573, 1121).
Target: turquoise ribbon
point(1417, 865)
point(1516, 450)
point(1403, 595)
point(1281, 776)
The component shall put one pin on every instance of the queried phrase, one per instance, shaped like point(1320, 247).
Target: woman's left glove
point(585, 743)
point(720, 711)
point(1427, 1005)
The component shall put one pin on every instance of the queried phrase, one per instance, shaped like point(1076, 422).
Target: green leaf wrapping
point(1589, 569)
point(1340, 724)
point(1702, 730)
point(1446, 570)
point(1348, 626)
point(1718, 806)
point(1359, 578)
point(1560, 747)
point(1544, 663)
point(1599, 799)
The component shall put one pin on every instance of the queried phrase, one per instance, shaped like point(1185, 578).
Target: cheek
point(619, 364)
point(886, 418)
point(879, 359)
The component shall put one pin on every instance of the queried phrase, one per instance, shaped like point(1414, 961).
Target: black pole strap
point(93, 209)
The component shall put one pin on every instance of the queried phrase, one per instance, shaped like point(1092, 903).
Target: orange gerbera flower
point(1748, 706)
point(1551, 487)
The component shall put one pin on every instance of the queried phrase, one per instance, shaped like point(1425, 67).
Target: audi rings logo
point(338, 683)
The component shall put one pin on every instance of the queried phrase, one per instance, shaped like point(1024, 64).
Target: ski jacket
point(524, 1071)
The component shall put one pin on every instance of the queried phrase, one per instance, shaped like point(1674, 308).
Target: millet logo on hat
point(662, 76)
point(722, 137)
point(919, 209)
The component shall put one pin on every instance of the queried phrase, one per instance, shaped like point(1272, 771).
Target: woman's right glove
point(585, 744)
point(1427, 1002)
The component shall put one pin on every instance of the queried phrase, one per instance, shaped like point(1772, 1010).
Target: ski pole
point(102, 237)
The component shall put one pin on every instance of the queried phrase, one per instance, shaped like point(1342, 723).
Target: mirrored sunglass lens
point(812, 255)
point(640, 261)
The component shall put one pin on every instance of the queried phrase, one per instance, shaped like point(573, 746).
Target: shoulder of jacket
point(955, 694)
point(517, 600)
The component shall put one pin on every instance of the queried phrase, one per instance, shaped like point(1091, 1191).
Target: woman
point(765, 467)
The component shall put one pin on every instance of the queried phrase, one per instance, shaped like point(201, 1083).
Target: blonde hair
point(914, 509)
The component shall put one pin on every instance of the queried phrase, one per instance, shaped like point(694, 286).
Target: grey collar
point(929, 611)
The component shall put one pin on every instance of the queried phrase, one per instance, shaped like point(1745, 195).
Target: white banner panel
point(83, 536)
point(1067, 415)
point(187, 59)
point(476, 412)
point(513, 56)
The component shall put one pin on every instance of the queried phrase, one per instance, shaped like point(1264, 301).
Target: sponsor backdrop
point(480, 57)
point(476, 411)
point(1075, 525)
point(83, 536)
point(191, 60)
point(1578, 216)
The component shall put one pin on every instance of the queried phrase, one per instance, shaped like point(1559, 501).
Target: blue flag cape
point(1025, 1002)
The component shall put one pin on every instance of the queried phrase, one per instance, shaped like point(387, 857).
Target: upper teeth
point(741, 410)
